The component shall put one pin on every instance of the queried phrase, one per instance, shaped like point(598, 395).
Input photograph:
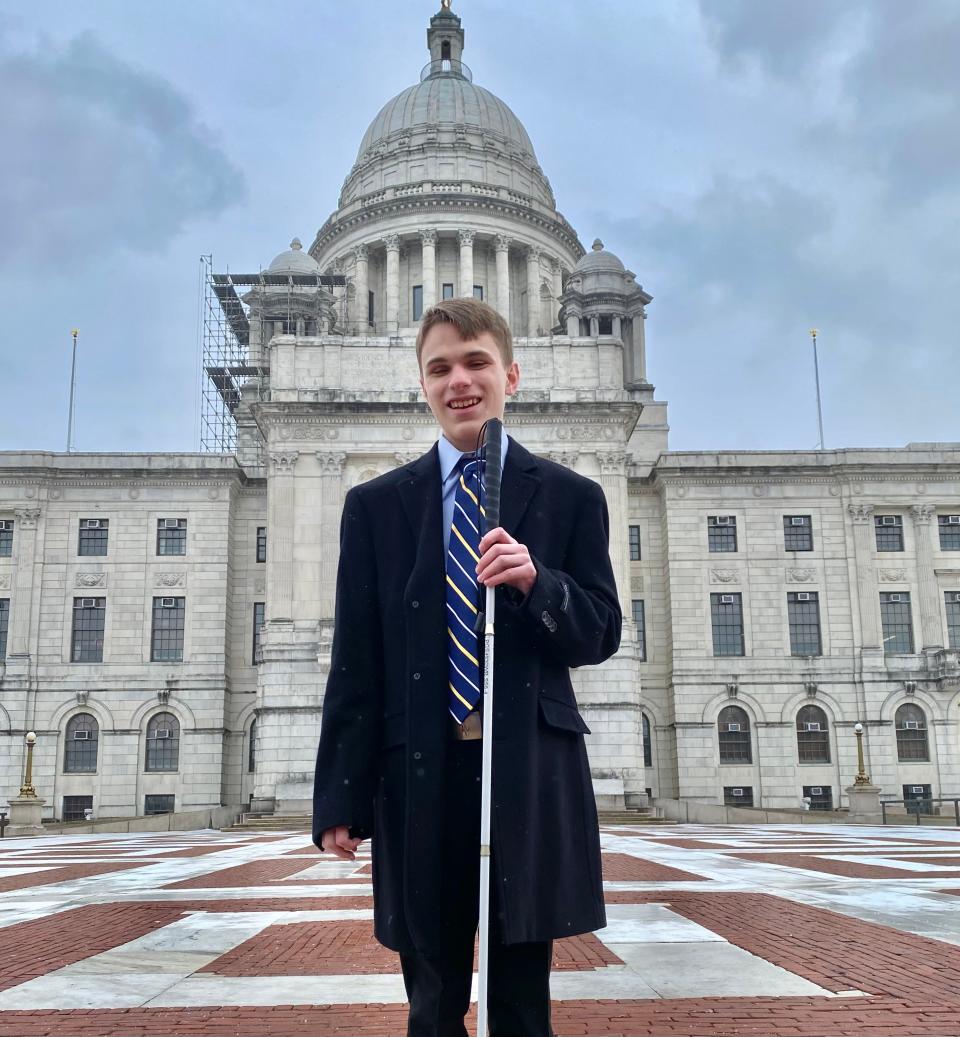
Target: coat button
point(416, 676)
point(417, 756)
point(415, 604)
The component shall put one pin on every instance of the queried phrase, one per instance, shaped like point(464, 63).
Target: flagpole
point(816, 375)
point(73, 382)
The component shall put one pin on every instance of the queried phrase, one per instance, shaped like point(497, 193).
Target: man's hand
point(338, 842)
point(504, 560)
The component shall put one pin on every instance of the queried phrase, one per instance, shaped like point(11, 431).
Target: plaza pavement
point(714, 931)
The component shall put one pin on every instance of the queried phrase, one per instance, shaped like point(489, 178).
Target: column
point(931, 625)
point(502, 246)
point(613, 479)
point(428, 239)
point(24, 581)
point(617, 328)
point(573, 324)
point(280, 522)
point(594, 327)
point(392, 242)
point(361, 290)
point(533, 291)
point(331, 475)
point(869, 600)
point(466, 263)
point(557, 272)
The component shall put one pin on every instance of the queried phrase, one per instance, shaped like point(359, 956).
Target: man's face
point(465, 383)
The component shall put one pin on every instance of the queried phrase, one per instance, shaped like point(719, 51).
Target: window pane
point(911, 726)
point(158, 804)
point(478, 292)
point(261, 543)
point(797, 533)
point(952, 600)
point(166, 643)
point(74, 806)
point(6, 538)
point(417, 301)
point(722, 533)
point(813, 735)
point(4, 625)
point(733, 732)
point(889, 531)
point(803, 613)
point(171, 536)
point(726, 614)
point(259, 612)
point(89, 616)
point(252, 754)
point(93, 537)
point(647, 743)
point(80, 745)
point(738, 795)
point(448, 291)
point(820, 796)
point(634, 543)
point(949, 526)
point(897, 623)
point(163, 743)
point(639, 618)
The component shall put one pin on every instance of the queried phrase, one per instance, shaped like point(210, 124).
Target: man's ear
point(513, 378)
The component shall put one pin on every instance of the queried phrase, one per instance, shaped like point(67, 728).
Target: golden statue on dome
point(445, 4)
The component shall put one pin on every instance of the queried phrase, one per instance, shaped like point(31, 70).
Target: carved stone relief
point(170, 580)
point(90, 580)
point(860, 513)
point(801, 575)
point(724, 576)
point(331, 463)
point(893, 575)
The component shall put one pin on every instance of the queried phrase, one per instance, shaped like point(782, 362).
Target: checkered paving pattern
point(714, 931)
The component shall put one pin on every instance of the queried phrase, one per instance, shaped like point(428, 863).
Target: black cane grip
point(493, 474)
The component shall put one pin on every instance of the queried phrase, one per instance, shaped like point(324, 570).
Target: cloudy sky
point(765, 166)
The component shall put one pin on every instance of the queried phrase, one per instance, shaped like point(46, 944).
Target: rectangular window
point(634, 543)
point(640, 619)
point(166, 639)
point(158, 804)
point(949, 526)
point(897, 623)
point(478, 292)
point(370, 308)
point(259, 613)
point(952, 602)
point(93, 537)
point(447, 291)
point(726, 614)
point(889, 531)
point(797, 533)
point(722, 533)
point(4, 625)
point(89, 616)
point(74, 806)
point(417, 302)
point(6, 538)
point(738, 795)
point(820, 796)
point(171, 536)
point(261, 543)
point(919, 799)
point(803, 613)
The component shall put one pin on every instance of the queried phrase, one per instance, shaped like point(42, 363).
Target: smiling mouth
point(464, 404)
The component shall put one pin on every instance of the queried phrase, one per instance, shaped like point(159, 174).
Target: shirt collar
point(450, 455)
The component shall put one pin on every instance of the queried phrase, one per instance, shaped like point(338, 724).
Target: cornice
point(555, 224)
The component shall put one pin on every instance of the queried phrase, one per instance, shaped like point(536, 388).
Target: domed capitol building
point(166, 619)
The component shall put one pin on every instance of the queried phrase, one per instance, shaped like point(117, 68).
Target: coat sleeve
point(347, 756)
point(574, 612)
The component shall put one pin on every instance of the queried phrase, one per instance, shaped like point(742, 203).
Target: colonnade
point(467, 240)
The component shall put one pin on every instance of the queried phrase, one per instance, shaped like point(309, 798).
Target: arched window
point(733, 727)
point(163, 742)
point(252, 753)
point(911, 725)
point(647, 744)
point(80, 745)
point(813, 735)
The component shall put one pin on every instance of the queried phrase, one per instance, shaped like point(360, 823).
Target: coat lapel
point(521, 479)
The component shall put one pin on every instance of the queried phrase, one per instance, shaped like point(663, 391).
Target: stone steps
point(631, 817)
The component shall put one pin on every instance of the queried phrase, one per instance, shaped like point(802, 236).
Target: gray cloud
point(98, 154)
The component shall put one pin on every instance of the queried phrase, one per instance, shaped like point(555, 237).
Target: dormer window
point(445, 54)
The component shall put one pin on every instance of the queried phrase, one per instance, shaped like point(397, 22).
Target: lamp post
point(862, 777)
point(27, 789)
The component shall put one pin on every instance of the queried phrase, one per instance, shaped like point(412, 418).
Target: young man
point(400, 751)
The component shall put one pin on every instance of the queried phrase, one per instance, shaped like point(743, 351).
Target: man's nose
point(459, 376)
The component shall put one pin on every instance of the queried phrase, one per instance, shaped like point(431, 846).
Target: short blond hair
point(472, 318)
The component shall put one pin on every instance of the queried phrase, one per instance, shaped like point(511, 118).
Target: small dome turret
point(294, 261)
point(599, 261)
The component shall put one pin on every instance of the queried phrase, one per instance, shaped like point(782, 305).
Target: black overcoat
point(385, 730)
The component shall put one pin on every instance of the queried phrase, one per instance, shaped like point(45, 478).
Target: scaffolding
point(235, 332)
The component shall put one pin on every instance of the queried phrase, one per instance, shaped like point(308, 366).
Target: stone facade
point(446, 191)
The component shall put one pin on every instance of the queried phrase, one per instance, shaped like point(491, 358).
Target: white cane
point(491, 503)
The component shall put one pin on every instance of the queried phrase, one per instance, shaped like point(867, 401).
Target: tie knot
point(468, 465)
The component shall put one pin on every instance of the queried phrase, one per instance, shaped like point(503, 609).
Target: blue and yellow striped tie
point(463, 593)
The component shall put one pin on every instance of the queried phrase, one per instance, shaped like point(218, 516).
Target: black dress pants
point(438, 986)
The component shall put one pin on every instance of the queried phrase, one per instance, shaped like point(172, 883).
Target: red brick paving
point(848, 869)
point(257, 873)
point(621, 867)
point(349, 948)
